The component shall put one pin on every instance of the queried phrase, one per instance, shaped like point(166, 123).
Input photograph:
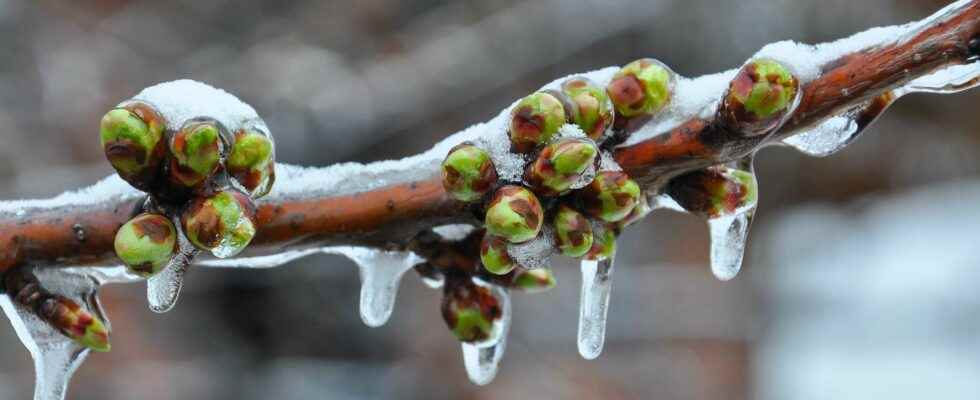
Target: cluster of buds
point(564, 183)
point(67, 316)
point(199, 176)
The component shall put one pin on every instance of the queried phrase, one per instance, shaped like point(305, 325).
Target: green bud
point(468, 172)
point(534, 280)
point(573, 232)
point(493, 254)
point(591, 106)
point(715, 191)
point(611, 196)
point(534, 121)
point(559, 165)
point(761, 94)
point(604, 245)
point(131, 138)
point(514, 214)
point(146, 243)
point(252, 162)
point(639, 212)
point(642, 87)
point(196, 153)
point(223, 224)
point(75, 322)
point(471, 311)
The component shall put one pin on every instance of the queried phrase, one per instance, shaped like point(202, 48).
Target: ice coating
point(56, 357)
point(949, 80)
point(483, 361)
point(381, 272)
point(454, 232)
point(537, 252)
point(163, 289)
point(594, 306)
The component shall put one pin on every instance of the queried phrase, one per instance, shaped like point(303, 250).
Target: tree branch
point(395, 207)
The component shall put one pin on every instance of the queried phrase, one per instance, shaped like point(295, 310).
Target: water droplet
point(381, 272)
point(482, 361)
point(594, 306)
point(835, 133)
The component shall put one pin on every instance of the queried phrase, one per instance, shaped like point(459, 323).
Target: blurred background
point(859, 283)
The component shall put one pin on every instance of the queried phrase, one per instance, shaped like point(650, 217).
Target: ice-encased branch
point(385, 204)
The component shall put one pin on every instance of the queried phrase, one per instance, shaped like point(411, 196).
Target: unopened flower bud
point(75, 322)
point(493, 254)
point(132, 139)
point(642, 87)
point(535, 120)
point(146, 243)
point(223, 224)
point(573, 232)
point(252, 161)
point(591, 106)
point(196, 153)
point(611, 196)
point(534, 280)
point(514, 214)
point(604, 245)
point(559, 165)
point(468, 172)
point(761, 94)
point(715, 191)
point(471, 311)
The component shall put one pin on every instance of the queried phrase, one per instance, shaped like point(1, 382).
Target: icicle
point(483, 360)
point(381, 272)
point(596, 287)
point(163, 289)
point(728, 237)
point(56, 356)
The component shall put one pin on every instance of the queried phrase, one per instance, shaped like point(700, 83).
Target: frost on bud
point(715, 191)
point(534, 121)
point(514, 214)
point(195, 153)
point(493, 254)
point(468, 172)
point(573, 232)
point(611, 196)
point(222, 224)
point(559, 165)
point(252, 161)
point(131, 138)
point(762, 93)
point(534, 280)
point(75, 322)
point(471, 311)
point(146, 243)
point(591, 110)
point(604, 245)
point(642, 87)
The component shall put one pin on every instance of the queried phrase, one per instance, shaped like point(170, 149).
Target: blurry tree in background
point(833, 302)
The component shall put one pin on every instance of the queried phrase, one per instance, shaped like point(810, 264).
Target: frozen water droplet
point(728, 237)
point(835, 133)
point(56, 356)
point(163, 289)
point(381, 272)
point(483, 360)
point(594, 306)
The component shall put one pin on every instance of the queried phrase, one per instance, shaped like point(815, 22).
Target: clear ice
point(381, 272)
point(163, 289)
point(483, 360)
point(594, 306)
point(728, 237)
point(56, 357)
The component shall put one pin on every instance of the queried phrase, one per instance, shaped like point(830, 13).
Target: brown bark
point(390, 216)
